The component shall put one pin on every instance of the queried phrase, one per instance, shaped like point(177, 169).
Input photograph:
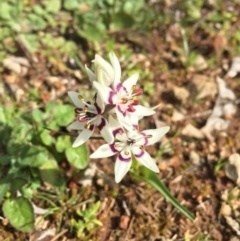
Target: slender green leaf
point(153, 179)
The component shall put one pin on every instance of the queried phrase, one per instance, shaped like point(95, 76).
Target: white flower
point(105, 73)
point(89, 116)
point(123, 95)
point(128, 144)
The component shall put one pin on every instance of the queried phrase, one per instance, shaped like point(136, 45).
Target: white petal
point(106, 93)
point(107, 134)
point(121, 168)
point(155, 134)
point(100, 106)
point(142, 111)
point(83, 137)
point(115, 125)
point(145, 159)
point(122, 137)
point(76, 125)
point(116, 67)
point(105, 130)
point(106, 67)
point(134, 121)
point(74, 97)
point(132, 80)
point(102, 77)
point(133, 134)
point(91, 75)
point(104, 151)
point(124, 120)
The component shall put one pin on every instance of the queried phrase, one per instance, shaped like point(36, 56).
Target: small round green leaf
point(5, 10)
point(70, 4)
point(33, 156)
point(64, 115)
point(37, 115)
point(62, 143)
point(19, 212)
point(92, 32)
point(121, 20)
point(53, 6)
point(78, 157)
point(46, 137)
point(51, 173)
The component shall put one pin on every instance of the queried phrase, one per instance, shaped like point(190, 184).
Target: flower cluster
point(115, 110)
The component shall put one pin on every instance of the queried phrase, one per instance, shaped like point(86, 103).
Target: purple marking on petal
point(102, 124)
point(118, 130)
point(121, 158)
point(112, 147)
point(78, 110)
point(135, 126)
point(123, 112)
point(139, 155)
point(99, 111)
point(120, 87)
point(110, 97)
point(145, 138)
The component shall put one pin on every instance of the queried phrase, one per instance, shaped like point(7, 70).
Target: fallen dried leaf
point(204, 85)
point(235, 68)
point(181, 93)
point(192, 131)
point(124, 220)
point(18, 65)
point(224, 107)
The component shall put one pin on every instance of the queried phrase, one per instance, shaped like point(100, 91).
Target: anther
point(149, 136)
point(87, 126)
point(134, 87)
point(85, 109)
point(124, 100)
point(141, 147)
point(116, 146)
point(80, 98)
point(126, 153)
